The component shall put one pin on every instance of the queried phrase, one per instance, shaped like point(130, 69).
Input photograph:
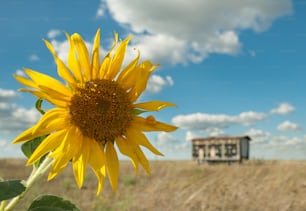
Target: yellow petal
point(143, 160)
point(54, 94)
point(49, 116)
point(47, 145)
point(127, 148)
point(55, 125)
point(140, 139)
point(97, 161)
point(25, 81)
point(104, 66)
point(80, 161)
point(150, 124)
point(129, 74)
point(112, 165)
point(47, 81)
point(117, 60)
point(44, 96)
point(64, 153)
point(62, 70)
point(83, 55)
point(107, 59)
point(73, 62)
point(95, 63)
point(145, 70)
point(153, 105)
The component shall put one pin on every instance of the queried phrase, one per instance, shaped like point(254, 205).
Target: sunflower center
point(101, 110)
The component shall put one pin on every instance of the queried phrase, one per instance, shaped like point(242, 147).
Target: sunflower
point(93, 111)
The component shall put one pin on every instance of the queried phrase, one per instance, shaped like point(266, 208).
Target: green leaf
point(138, 111)
point(11, 188)
point(51, 203)
point(29, 147)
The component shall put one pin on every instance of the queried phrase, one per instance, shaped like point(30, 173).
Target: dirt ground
point(255, 185)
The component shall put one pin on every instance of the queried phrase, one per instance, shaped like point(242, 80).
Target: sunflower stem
point(2, 206)
point(35, 175)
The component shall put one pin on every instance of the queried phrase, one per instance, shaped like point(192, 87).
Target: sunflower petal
point(48, 145)
point(140, 139)
point(83, 55)
point(129, 74)
point(153, 105)
point(104, 66)
point(25, 81)
point(80, 161)
point(54, 94)
point(117, 60)
point(97, 161)
point(126, 148)
point(95, 63)
point(145, 70)
point(64, 153)
point(143, 160)
point(47, 81)
point(107, 59)
point(150, 124)
point(62, 70)
point(73, 62)
point(55, 125)
point(112, 165)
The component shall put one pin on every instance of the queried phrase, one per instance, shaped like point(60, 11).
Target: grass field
point(180, 185)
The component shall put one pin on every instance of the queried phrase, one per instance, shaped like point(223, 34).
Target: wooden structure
point(221, 149)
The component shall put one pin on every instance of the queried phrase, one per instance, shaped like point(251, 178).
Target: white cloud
point(20, 73)
point(258, 136)
point(164, 138)
point(156, 83)
point(14, 118)
point(285, 141)
point(288, 126)
point(53, 33)
point(177, 31)
point(204, 121)
point(190, 135)
point(101, 9)
point(214, 132)
point(33, 58)
point(2, 143)
point(283, 109)
point(7, 94)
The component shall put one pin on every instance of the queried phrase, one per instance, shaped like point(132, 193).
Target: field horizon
point(179, 185)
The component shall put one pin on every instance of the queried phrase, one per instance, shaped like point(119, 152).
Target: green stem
point(35, 175)
point(2, 206)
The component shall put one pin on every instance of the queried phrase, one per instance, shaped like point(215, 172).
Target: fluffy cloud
point(101, 9)
point(6, 94)
point(258, 136)
point(156, 83)
point(164, 138)
point(20, 73)
point(283, 109)
point(288, 126)
point(3, 143)
point(14, 118)
point(168, 33)
point(53, 33)
point(204, 121)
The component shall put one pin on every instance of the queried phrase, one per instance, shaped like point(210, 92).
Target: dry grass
point(181, 185)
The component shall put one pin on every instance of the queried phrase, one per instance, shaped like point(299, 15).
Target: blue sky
point(233, 67)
